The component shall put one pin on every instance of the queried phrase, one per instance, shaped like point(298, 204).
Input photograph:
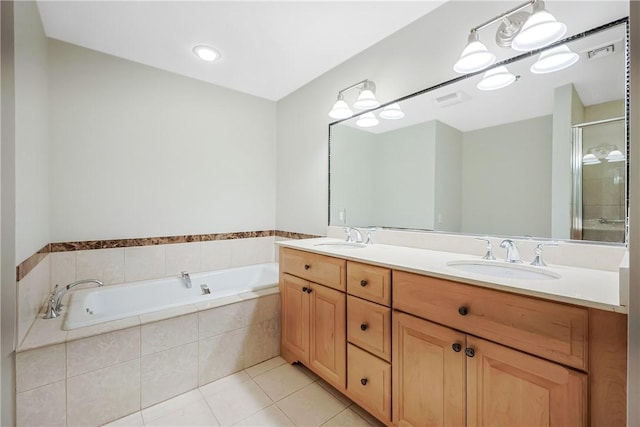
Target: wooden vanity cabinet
point(314, 315)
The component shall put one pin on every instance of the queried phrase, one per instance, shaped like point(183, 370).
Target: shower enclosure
point(599, 181)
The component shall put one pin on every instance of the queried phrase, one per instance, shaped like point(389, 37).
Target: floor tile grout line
point(209, 406)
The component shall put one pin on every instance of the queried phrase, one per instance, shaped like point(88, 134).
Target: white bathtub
point(96, 305)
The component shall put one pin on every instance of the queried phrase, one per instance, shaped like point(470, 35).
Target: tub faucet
point(54, 304)
point(513, 255)
point(186, 278)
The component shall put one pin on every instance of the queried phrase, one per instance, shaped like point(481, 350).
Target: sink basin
point(342, 245)
point(504, 270)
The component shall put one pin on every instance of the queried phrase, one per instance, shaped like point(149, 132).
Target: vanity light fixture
point(520, 30)
point(496, 78)
point(366, 100)
point(554, 59)
point(608, 152)
point(207, 53)
point(615, 156)
point(590, 159)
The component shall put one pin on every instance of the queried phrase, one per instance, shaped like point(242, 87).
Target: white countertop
point(579, 286)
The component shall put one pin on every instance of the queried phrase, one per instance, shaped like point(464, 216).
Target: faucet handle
point(347, 232)
point(489, 253)
point(538, 261)
point(369, 231)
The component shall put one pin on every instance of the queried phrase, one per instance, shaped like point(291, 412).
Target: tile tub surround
point(104, 372)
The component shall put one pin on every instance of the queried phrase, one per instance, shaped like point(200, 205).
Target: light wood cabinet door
point(428, 374)
point(328, 352)
point(506, 387)
point(295, 316)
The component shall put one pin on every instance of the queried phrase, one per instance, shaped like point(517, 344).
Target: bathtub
point(96, 305)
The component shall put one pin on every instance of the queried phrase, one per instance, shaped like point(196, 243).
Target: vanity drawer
point(369, 282)
point(317, 268)
point(550, 330)
point(369, 382)
point(369, 326)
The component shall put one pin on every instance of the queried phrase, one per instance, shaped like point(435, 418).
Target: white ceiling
point(269, 48)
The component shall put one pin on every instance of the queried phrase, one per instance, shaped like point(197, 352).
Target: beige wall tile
point(33, 290)
point(263, 308)
point(252, 251)
point(63, 268)
point(103, 328)
point(43, 406)
point(35, 368)
point(221, 355)
point(143, 262)
point(97, 352)
point(169, 373)
point(223, 319)
point(263, 342)
point(106, 265)
point(104, 395)
point(165, 334)
point(182, 257)
point(44, 332)
point(215, 255)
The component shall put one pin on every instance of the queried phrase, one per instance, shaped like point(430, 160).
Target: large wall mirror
point(544, 157)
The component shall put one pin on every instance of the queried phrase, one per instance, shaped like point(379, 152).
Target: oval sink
point(342, 245)
point(503, 269)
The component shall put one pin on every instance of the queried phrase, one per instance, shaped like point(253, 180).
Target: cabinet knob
point(469, 352)
point(304, 289)
point(364, 381)
point(363, 283)
point(364, 326)
point(307, 266)
point(457, 347)
point(309, 290)
point(463, 310)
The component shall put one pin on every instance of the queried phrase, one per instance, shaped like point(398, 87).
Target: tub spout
point(186, 278)
point(58, 294)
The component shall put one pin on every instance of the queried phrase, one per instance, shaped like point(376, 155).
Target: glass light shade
point(590, 159)
point(206, 53)
point(496, 78)
point(554, 59)
point(474, 57)
point(540, 30)
point(392, 112)
point(366, 100)
point(367, 120)
point(340, 110)
point(615, 156)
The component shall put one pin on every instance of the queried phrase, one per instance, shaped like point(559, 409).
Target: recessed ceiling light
point(206, 53)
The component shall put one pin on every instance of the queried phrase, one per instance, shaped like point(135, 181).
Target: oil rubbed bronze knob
point(364, 326)
point(463, 310)
point(363, 283)
point(457, 347)
point(307, 266)
point(469, 352)
point(364, 381)
point(309, 290)
point(304, 289)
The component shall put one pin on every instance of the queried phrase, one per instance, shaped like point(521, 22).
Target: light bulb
point(367, 120)
point(554, 59)
point(474, 57)
point(206, 53)
point(496, 78)
point(541, 29)
point(392, 112)
point(340, 110)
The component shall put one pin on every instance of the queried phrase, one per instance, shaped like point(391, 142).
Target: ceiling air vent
point(452, 99)
point(604, 50)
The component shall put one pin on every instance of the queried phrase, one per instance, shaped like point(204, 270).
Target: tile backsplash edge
point(30, 263)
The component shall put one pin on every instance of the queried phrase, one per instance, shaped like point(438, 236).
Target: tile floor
point(272, 393)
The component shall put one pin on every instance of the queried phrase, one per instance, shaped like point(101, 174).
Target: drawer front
point(369, 382)
point(321, 269)
point(369, 326)
point(369, 282)
point(550, 330)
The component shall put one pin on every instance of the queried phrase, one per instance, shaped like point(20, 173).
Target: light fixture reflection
point(392, 112)
point(615, 156)
point(474, 57)
point(496, 78)
point(590, 159)
point(367, 120)
point(541, 29)
point(554, 59)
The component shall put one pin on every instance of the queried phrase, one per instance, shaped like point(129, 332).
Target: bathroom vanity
point(416, 345)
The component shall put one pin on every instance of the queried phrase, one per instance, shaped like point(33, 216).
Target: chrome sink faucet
point(54, 303)
point(186, 278)
point(513, 255)
point(349, 230)
point(538, 252)
point(489, 248)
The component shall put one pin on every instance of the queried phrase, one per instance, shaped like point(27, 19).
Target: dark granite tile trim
point(30, 263)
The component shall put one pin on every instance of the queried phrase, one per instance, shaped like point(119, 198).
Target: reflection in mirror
point(506, 162)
